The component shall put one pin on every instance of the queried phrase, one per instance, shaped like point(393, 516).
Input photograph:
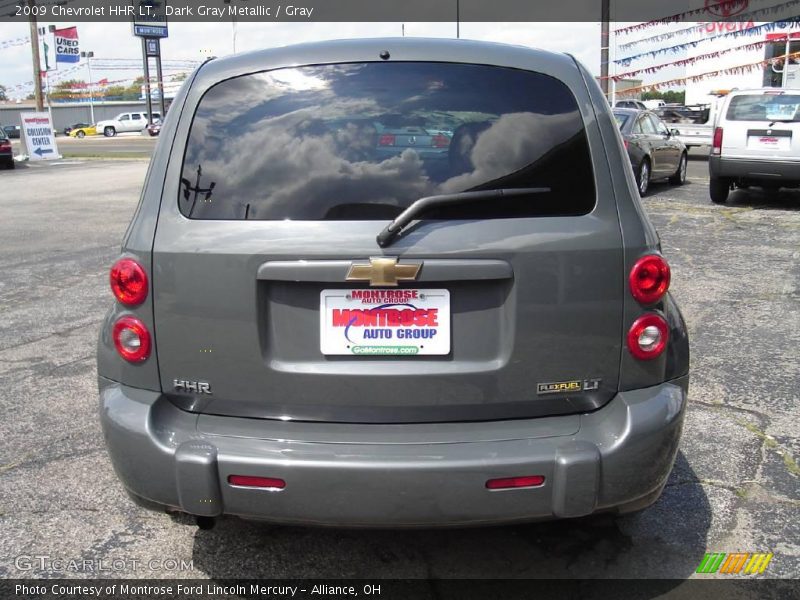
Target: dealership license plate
point(769, 142)
point(385, 322)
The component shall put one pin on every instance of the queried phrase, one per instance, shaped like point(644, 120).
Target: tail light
point(387, 139)
point(649, 279)
point(128, 282)
point(716, 144)
point(648, 336)
point(5, 145)
point(625, 143)
point(440, 141)
point(132, 339)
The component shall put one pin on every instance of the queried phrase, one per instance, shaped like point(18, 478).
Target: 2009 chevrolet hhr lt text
point(392, 283)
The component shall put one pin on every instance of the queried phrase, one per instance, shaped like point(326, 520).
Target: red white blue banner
point(67, 50)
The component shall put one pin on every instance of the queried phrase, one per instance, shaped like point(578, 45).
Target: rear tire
point(109, 131)
point(11, 164)
point(643, 177)
point(80, 134)
point(680, 175)
point(718, 189)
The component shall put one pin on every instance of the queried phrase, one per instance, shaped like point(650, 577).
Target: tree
point(70, 89)
point(669, 96)
point(114, 92)
point(3, 95)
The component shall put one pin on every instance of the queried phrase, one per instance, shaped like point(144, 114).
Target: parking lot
point(734, 488)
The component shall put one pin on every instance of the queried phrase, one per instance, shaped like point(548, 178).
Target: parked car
point(82, 132)
point(634, 104)
point(154, 128)
point(756, 142)
point(125, 122)
point(654, 150)
point(12, 131)
point(696, 123)
point(6, 152)
point(349, 338)
point(68, 130)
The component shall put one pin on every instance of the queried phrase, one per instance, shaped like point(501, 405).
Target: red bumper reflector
point(515, 482)
point(256, 482)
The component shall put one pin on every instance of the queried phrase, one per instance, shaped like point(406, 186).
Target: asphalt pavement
point(735, 486)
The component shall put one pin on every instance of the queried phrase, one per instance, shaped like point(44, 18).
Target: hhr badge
point(562, 387)
point(192, 387)
point(383, 271)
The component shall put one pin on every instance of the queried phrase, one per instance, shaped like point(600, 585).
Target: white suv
point(132, 121)
point(756, 142)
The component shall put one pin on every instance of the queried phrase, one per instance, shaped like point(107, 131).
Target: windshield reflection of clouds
point(303, 143)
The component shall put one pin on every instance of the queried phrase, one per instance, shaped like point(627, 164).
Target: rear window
point(621, 119)
point(363, 141)
point(764, 107)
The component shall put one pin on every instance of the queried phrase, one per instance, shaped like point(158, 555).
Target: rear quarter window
point(363, 141)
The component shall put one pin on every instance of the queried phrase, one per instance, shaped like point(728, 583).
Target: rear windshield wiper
point(423, 205)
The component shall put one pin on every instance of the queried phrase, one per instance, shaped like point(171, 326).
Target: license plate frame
point(388, 322)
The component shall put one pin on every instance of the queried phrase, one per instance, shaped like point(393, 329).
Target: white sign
point(39, 136)
point(385, 322)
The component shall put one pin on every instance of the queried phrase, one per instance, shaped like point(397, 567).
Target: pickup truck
point(123, 122)
point(695, 124)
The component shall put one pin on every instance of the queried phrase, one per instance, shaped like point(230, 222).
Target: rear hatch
point(270, 288)
point(763, 126)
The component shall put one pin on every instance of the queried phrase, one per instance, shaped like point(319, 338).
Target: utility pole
point(88, 56)
point(37, 71)
point(458, 19)
point(147, 92)
point(160, 77)
point(605, 15)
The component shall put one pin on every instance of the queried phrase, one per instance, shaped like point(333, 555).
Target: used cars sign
point(67, 49)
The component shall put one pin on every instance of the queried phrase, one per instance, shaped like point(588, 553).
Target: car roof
point(559, 65)
point(763, 89)
point(629, 111)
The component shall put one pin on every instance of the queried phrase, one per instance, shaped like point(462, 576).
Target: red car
point(154, 128)
point(6, 153)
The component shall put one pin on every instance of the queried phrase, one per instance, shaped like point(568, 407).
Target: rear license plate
point(769, 142)
point(385, 322)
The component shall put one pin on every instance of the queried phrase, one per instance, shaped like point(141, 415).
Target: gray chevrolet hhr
point(392, 282)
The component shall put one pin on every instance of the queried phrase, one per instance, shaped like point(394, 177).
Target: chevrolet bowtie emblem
point(383, 271)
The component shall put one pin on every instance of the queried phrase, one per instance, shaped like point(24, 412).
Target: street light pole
point(37, 69)
point(88, 56)
point(605, 15)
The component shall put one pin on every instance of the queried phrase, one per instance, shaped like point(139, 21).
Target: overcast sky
point(198, 40)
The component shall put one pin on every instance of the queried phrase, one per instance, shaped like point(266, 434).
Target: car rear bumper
point(617, 457)
point(757, 170)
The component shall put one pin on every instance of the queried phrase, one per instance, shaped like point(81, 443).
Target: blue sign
point(153, 31)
